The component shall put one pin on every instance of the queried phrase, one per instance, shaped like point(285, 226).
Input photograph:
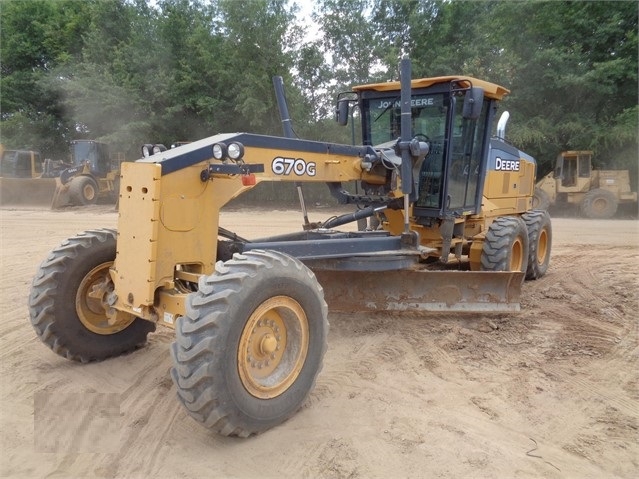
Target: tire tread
point(194, 353)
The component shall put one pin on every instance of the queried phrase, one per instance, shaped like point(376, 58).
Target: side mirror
point(473, 102)
point(342, 112)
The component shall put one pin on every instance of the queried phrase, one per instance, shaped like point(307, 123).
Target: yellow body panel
point(617, 181)
point(510, 184)
point(324, 166)
point(135, 271)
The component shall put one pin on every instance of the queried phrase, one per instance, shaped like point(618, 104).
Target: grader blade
point(27, 191)
point(422, 290)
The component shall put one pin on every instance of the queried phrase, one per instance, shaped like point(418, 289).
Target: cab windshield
point(428, 115)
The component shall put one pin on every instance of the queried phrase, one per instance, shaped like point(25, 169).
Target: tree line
point(129, 72)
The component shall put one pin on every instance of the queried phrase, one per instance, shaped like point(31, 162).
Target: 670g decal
point(298, 166)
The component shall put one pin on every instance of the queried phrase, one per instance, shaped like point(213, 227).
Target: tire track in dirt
point(592, 322)
point(17, 339)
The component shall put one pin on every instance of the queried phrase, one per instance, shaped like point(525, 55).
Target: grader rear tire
point(249, 349)
point(539, 241)
point(506, 246)
point(599, 204)
point(67, 301)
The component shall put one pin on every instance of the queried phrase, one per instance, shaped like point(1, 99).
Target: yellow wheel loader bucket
point(27, 191)
point(60, 196)
point(422, 290)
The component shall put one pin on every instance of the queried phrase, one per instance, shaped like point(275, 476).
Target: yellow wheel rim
point(600, 205)
point(542, 246)
point(273, 347)
point(89, 192)
point(516, 255)
point(91, 305)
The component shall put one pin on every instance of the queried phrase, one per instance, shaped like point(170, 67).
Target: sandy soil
point(550, 392)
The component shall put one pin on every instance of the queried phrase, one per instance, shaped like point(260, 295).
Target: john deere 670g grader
point(250, 315)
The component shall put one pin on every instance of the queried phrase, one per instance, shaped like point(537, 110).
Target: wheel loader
point(93, 174)
point(457, 233)
point(597, 193)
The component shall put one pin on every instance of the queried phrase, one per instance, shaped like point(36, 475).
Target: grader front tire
point(248, 351)
point(68, 306)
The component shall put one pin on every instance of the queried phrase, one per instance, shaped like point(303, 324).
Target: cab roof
point(491, 90)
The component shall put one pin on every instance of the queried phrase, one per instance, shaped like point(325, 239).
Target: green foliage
point(260, 35)
point(313, 75)
point(350, 39)
point(578, 72)
point(35, 37)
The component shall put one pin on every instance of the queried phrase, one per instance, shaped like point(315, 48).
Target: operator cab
point(572, 165)
point(93, 152)
point(453, 115)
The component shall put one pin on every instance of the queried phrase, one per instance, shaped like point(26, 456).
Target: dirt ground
point(550, 392)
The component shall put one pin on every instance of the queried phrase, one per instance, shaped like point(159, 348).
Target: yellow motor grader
point(456, 233)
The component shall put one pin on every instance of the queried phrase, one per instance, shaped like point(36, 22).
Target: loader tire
point(539, 242)
point(67, 301)
point(541, 200)
point(599, 204)
point(83, 191)
point(251, 345)
point(506, 246)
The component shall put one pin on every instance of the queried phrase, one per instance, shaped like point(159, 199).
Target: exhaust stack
point(501, 125)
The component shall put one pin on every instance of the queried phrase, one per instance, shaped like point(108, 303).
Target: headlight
point(236, 151)
point(147, 150)
point(158, 148)
point(219, 151)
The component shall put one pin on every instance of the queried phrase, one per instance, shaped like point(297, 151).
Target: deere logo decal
point(506, 165)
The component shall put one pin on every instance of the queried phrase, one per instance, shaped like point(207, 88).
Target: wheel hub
point(268, 344)
point(89, 192)
point(273, 347)
point(92, 306)
point(599, 205)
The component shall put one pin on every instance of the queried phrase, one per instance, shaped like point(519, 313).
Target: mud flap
point(27, 191)
point(421, 290)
